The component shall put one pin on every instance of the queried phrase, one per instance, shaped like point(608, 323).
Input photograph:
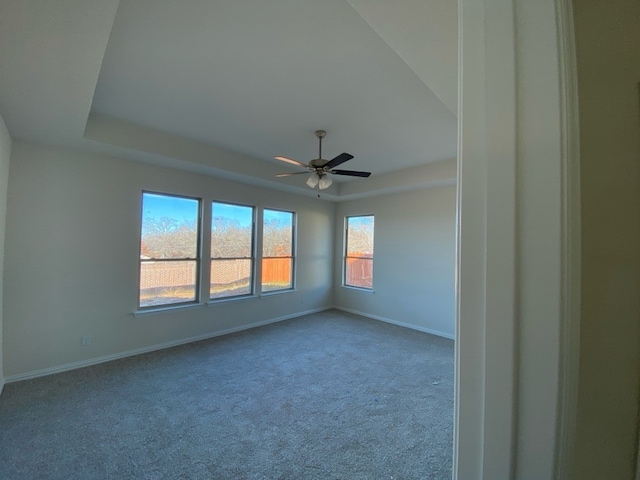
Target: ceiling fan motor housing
point(318, 163)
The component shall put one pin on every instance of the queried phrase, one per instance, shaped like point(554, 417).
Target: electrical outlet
point(86, 340)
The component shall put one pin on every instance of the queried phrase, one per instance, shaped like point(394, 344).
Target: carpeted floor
point(325, 396)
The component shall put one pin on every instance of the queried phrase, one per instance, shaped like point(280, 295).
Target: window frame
point(197, 259)
point(252, 258)
point(294, 221)
point(346, 256)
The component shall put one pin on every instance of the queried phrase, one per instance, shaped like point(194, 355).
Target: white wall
point(414, 259)
point(607, 37)
point(72, 251)
point(5, 153)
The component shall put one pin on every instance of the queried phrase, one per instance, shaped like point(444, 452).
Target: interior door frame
point(518, 241)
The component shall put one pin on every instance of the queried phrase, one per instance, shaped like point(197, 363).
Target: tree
point(167, 238)
point(276, 238)
point(360, 237)
point(229, 239)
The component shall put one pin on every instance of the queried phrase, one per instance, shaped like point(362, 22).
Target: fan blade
point(290, 173)
point(291, 161)
point(351, 173)
point(343, 157)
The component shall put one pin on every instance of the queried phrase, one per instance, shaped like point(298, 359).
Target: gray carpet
point(325, 396)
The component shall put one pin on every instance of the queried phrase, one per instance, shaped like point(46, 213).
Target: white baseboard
point(396, 322)
point(129, 353)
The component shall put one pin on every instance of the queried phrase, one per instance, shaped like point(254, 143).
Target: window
point(169, 250)
point(231, 250)
point(358, 259)
point(277, 250)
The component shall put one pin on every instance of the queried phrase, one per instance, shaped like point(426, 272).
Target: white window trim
point(344, 254)
point(294, 244)
point(253, 258)
point(198, 259)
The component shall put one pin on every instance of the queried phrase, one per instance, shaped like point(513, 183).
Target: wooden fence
point(276, 271)
point(153, 275)
point(359, 272)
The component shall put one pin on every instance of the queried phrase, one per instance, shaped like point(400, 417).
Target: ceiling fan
point(320, 167)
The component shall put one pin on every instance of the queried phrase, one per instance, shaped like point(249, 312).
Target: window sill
point(166, 309)
point(369, 291)
point(238, 298)
point(277, 292)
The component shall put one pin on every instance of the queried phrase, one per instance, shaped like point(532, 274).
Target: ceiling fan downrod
point(320, 134)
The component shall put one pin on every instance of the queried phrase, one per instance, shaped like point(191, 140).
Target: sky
point(243, 215)
point(365, 221)
point(283, 218)
point(186, 209)
point(158, 206)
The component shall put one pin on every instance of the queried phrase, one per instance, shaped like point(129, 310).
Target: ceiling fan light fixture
point(325, 182)
point(313, 180)
point(320, 168)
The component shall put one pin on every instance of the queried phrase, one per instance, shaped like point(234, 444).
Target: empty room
point(319, 239)
point(230, 240)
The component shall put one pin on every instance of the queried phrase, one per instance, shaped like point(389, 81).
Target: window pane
point(360, 236)
point(169, 227)
point(230, 277)
point(358, 268)
point(162, 283)
point(231, 250)
point(277, 236)
point(277, 250)
point(231, 231)
point(169, 264)
point(359, 272)
point(276, 274)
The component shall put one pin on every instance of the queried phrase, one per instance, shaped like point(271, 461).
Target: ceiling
point(220, 87)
